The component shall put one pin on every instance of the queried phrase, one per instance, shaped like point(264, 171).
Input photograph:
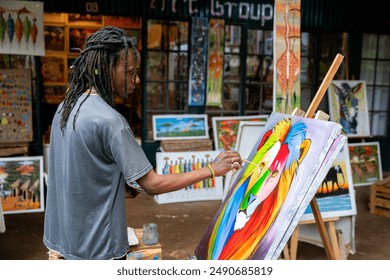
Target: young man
point(93, 153)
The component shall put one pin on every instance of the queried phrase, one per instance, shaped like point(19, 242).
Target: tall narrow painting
point(348, 106)
point(287, 53)
point(267, 199)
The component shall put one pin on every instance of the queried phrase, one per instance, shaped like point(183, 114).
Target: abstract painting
point(267, 199)
point(348, 106)
point(21, 184)
point(366, 163)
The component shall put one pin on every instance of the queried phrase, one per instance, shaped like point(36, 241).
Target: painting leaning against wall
point(366, 163)
point(21, 184)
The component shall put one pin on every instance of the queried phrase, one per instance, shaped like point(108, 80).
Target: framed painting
point(289, 159)
point(225, 130)
point(21, 184)
point(77, 37)
point(16, 111)
point(85, 20)
point(348, 106)
point(54, 70)
point(366, 164)
point(174, 127)
point(55, 39)
point(179, 162)
point(335, 195)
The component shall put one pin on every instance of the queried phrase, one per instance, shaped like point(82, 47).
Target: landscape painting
point(21, 184)
point(170, 127)
point(335, 196)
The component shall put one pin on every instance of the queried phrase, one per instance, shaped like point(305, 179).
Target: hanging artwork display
point(179, 162)
point(198, 70)
point(287, 163)
point(366, 164)
point(225, 130)
point(21, 28)
point(287, 53)
point(335, 195)
point(21, 184)
point(215, 62)
point(348, 106)
point(173, 127)
point(16, 106)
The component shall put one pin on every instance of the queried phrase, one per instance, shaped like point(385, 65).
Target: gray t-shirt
point(85, 210)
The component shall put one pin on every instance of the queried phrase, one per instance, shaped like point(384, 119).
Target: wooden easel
point(329, 250)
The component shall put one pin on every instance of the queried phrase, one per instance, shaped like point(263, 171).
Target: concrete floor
point(181, 225)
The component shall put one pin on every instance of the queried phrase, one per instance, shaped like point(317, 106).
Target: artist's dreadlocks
point(94, 68)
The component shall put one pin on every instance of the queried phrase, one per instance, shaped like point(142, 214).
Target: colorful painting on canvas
point(175, 127)
point(287, 53)
point(286, 165)
point(366, 163)
point(225, 130)
point(348, 106)
point(21, 184)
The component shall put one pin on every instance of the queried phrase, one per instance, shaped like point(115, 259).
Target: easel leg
point(334, 240)
point(294, 244)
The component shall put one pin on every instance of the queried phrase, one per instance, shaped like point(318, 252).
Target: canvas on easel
point(267, 197)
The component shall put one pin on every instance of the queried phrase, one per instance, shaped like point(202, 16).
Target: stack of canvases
point(270, 194)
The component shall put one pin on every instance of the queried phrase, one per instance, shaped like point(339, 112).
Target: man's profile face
point(130, 74)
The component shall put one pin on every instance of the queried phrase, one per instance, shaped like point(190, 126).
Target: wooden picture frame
point(366, 164)
point(175, 127)
point(16, 111)
point(21, 184)
point(348, 106)
point(124, 22)
point(77, 37)
point(55, 39)
point(56, 18)
point(225, 130)
point(85, 20)
point(54, 70)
